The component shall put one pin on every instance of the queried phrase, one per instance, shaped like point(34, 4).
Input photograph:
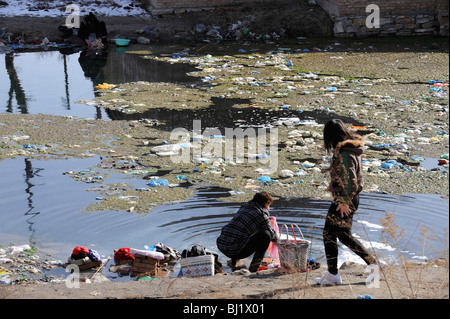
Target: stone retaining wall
point(389, 25)
point(397, 17)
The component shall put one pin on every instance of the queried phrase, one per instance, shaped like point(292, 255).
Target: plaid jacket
point(250, 219)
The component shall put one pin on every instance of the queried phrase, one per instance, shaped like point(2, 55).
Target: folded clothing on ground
point(82, 256)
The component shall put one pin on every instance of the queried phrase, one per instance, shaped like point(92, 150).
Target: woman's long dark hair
point(335, 132)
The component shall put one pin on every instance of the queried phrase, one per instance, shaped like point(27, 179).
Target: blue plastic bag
point(158, 182)
point(265, 179)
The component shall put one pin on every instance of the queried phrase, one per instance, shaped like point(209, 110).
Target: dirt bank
point(412, 280)
point(285, 21)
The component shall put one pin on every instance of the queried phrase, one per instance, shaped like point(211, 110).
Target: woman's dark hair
point(92, 18)
point(335, 132)
point(262, 198)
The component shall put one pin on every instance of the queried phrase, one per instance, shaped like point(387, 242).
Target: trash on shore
point(105, 86)
point(22, 264)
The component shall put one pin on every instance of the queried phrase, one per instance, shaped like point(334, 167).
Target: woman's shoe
point(328, 279)
point(235, 265)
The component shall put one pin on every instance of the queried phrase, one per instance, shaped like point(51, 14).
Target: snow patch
point(57, 8)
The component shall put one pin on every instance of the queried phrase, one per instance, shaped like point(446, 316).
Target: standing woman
point(346, 184)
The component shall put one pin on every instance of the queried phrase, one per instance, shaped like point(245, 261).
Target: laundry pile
point(136, 262)
point(84, 258)
point(162, 261)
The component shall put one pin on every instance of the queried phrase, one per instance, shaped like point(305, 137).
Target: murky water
point(41, 206)
point(51, 82)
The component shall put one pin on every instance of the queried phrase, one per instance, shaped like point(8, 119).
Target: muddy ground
point(381, 87)
point(410, 281)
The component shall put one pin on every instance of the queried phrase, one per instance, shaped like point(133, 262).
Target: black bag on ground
point(171, 255)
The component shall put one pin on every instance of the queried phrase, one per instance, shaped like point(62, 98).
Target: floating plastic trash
point(301, 172)
point(383, 146)
point(158, 182)
point(265, 179)
point(307, 122)
point(105, 86)
point(307, 164)
point(128, 197)
point(434, 82)
point(390, 164)
point(200, 169)
point(5, 279)
point(417, 158)
point(355, 127)
point(287, 121)
point(234, 193)
point(15, 250)
point(170, 148)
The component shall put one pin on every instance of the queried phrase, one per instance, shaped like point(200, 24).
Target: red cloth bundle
point(80, 251)
point(123, 254)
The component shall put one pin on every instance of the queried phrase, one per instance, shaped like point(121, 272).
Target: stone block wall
point(397, 17)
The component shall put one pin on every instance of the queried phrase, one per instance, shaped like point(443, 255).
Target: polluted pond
point(139, 160)
point(55, 221)
point(66, 79)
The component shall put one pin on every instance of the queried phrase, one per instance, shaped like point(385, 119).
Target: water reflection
point(51, 82)
point(222, 114)
point(60, 201)
point(30, 174)
point(66, 82)
point(92, 63)
point(15, 88)
point(125, 67)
